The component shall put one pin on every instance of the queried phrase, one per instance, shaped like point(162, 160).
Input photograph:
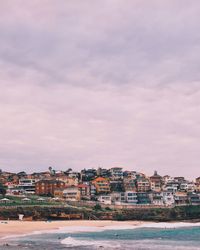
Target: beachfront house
point(131, 197)
point(168, 198)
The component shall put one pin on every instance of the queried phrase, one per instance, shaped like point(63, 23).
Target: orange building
point(101, 184)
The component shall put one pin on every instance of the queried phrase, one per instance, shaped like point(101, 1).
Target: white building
point(106, 199)
point(71, 193)
point(116, 173)
point(168, 198)
point(131, 197)
point(26, 186)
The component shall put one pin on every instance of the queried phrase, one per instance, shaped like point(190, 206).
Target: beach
point(88, 235)
point(9, 228)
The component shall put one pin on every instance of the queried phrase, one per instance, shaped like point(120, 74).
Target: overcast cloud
point(100, 83)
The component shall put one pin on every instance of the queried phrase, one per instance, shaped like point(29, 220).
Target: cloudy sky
point(100, 83)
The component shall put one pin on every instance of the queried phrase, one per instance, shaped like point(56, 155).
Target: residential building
point(168, 198)
point(143, 198)
point(156, 182)
point(84, 190)
point(69, 181)
point(131, 197)
point(102, 185)
point(143, 184)
point(130, 184)
point(103, 172)
point(93, 190)
point(194, 198)
point(116, 173)
point(88, 174)
point(131, 174)
point(116, 185)
point(47, 187)
point(171, 186)
point(181, 198)
point(27, 186)
point(106, 199)
point(157, 198)
point(71, 193)
point(197, 185)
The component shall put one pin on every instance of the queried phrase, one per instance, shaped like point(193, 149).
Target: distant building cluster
point(107, 186)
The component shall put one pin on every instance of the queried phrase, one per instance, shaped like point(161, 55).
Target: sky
point(100, 83)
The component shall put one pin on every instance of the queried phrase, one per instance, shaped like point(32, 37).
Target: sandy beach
point(9, 228)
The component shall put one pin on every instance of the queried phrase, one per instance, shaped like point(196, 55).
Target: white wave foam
point(72, 242)
point(157, 244)
point(82, 229)
point(170, 225)
point(20, 235)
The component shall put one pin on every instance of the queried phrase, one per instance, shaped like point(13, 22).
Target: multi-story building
point(116, 173)
point(71, 193)
point(194, 198)
point(84, 190)
point(93, 191)
point(131, 197)
point(197, 185)
point(116, 186)
point(143, 184)
point(168, 198)
point(88, 174)
point(171, 186)
point(102, 185)
point(69, 181)
point(143, 198)
point(181, 198)
point(47, 187)
point(27, 186)
point(166, 179)
point(187, 186)
point(130, 184)
point(102, 172)
point(156, 182)
point(157, 198)
point(131, 174)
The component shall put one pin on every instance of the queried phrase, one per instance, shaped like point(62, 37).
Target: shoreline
point(11, 229)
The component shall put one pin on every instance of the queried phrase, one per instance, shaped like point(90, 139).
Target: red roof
point(100, 179)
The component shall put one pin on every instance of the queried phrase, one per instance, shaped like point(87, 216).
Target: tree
point(52, 171)
point(22, 174)
point(2, 190)
point(97, 207)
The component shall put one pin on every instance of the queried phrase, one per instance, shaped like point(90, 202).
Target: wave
point(82, 229)
point(72, 242)
point(169, 225)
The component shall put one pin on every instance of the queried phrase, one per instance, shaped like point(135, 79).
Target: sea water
point(152, 236)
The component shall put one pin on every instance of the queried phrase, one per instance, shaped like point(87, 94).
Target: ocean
point(158, 236)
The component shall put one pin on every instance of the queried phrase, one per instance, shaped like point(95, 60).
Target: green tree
point(2, 190)
point(22, 174)
point(97, 207)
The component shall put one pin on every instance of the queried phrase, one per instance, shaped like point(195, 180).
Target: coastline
point(12, 228)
